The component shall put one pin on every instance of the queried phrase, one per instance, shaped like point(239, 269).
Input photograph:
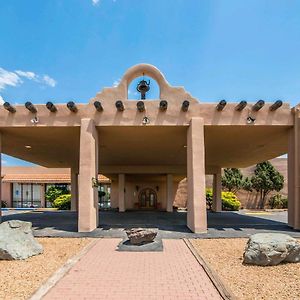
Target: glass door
point(148, 198)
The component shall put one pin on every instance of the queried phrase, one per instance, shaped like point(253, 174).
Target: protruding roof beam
point(9, 107)
point(30, 107)
point(72, 106)
point(241, 105)
point(185, 105)
point(221, 105)
point(51, 106)
point(119, 105)
point(276, 105)
point(258, 105)
point(98, 106)
point(140, 106)
point(163, 105)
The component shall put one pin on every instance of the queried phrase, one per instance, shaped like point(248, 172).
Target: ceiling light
point(28, 147)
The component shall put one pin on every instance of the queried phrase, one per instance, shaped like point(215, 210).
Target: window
point(26, 195)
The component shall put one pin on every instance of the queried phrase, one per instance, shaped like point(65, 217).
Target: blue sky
point(70, 49)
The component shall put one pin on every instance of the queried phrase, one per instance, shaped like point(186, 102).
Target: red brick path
point(104, 273)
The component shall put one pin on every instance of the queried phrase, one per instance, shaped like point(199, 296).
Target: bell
point(143, 87)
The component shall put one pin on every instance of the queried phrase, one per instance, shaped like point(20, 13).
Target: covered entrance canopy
point(169, 142)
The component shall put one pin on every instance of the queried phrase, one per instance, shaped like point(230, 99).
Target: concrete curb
point(60, 273)
point(223, 290)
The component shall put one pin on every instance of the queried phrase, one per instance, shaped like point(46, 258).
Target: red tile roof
point(44, 178)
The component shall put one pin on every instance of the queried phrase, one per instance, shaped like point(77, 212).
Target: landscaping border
point(61, 272)
point(223, 290)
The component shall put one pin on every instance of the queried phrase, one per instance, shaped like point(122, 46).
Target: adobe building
point(146, 147)
point(25, 187)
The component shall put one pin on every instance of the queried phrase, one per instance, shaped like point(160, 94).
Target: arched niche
point(152, 94)
point(149, 71)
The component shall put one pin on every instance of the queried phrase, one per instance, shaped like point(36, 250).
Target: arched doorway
point(147, 199)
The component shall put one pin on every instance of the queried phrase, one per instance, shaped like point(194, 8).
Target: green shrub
point(54, 192)
point(278, 201)
point(63, 202)
point(229, 200)
point(209, 197)
point(3, 204)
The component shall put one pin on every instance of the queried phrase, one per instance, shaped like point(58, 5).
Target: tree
point(232, 180)
point(54, 192)
point(247, 184)
point(266, 179)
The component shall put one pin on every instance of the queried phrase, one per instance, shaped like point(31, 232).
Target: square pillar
point(42, 195)
point(121, 192)
point(0, 177)
point(170, 193)
point(74, 189)
point(88, 212)
point(196, 204)
point(293, 173)
point(217, 192)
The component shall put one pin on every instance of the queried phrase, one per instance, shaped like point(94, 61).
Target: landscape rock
point(271, 249)
point(140, 236)
point(17, 241)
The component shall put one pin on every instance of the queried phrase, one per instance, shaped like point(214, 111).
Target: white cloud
point(29, 75)
point(9, 78)
point(1, 100)
point(95, 2)
point(116, 82)
point(49, 81)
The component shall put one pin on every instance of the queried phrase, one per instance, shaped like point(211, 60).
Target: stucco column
point(74, 189)
point(196, 204)
point(217, 192)
point(0, 177)
point(170, 193)
point(88, 212)
point(293, 173)
point(121, 192)
point(42, 195)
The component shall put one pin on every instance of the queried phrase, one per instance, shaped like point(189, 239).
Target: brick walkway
point(107, 274)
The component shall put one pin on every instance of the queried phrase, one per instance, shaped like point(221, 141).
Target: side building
point(25, 187)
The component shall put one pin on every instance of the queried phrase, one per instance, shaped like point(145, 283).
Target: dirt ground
point(19, 279)
point(224, 256)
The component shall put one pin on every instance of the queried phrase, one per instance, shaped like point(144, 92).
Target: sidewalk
point(103, 273)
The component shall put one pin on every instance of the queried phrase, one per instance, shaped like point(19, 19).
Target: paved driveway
point(170, 225)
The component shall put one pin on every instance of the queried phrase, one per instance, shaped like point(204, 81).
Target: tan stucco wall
point(6, 193)
point(248, 200)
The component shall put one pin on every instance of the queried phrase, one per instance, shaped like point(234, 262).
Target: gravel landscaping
point(225, 257)
point(19, 279)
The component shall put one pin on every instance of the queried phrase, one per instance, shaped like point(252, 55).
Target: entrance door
point(148, 198)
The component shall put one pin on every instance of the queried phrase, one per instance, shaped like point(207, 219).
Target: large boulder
point(17, 241)
point(140, 236)
point(270, 249)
